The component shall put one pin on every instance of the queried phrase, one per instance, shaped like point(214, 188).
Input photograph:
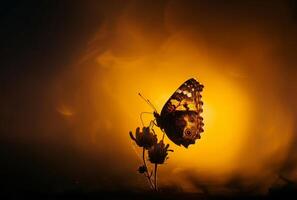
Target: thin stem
point(156, 186)
point(147, 173)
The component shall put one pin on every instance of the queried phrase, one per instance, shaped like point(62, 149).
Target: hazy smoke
point(68, 119)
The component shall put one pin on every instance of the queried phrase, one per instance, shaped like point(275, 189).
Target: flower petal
point(132, 136)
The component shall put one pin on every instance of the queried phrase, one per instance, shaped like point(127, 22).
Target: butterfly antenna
point(148, 101)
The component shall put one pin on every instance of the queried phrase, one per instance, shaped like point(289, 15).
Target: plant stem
point(156, 186)
point(147, 173)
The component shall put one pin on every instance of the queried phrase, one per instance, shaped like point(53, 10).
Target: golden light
point(226, 106)
point(242, 114)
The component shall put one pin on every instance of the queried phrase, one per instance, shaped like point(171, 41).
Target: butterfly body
point(180, 117)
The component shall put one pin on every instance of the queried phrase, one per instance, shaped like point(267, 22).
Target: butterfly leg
point(141, 116)
point(155, 122)
point(163, 134)
point(152, 124)
point(153, 131)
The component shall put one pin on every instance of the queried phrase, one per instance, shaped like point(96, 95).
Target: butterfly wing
point(180, 116)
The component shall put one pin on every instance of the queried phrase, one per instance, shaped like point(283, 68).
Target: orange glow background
point(249, 98)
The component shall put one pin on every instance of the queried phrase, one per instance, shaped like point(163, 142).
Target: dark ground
point(285, 192)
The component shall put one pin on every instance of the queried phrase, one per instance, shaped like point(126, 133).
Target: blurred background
point(71, 71)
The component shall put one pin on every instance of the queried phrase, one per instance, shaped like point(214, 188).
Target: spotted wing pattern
point(181, 114)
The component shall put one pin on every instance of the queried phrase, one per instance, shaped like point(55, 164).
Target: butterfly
point(180, 117)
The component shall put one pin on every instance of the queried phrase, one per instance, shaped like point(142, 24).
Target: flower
point(158, 152)
point(145, 139)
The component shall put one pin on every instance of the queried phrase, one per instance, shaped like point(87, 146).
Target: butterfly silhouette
point(180, 117)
